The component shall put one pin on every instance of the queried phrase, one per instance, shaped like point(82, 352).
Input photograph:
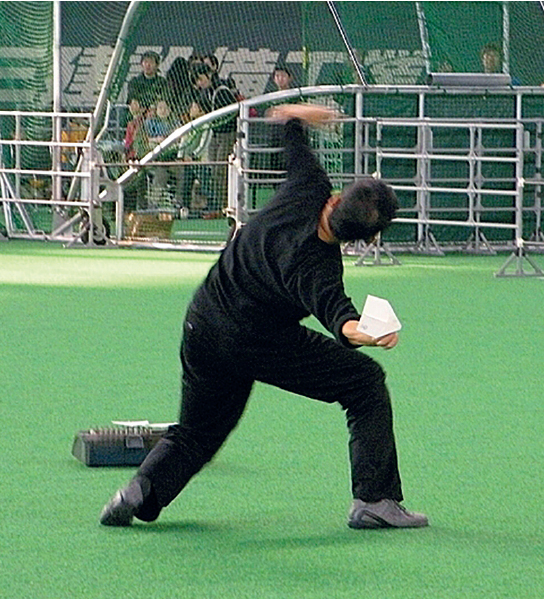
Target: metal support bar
point(57, 102)
point(375, 251)
point(477, 243)
point(101, 102)
point(370, 149)
point(518, 259)
point(351, 53)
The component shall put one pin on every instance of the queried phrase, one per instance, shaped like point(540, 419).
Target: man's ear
point(373, 215)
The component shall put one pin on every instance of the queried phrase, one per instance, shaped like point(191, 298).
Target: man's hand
point(313, 114)
point(355, 337)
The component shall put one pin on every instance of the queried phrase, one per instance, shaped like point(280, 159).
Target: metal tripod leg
point(375, 250)
point(66, 225)
point(518, 258)
point(428, 244)
point(477, 243)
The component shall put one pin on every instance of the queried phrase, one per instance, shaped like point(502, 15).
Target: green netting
point(384, 35)
point(396, 44)
point(459, 31)
point(26, 56)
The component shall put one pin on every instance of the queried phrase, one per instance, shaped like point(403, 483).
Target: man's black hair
point(284, 68)
point(214, 60)
point(201, 69)
point(151, 54)
point(365, 209)
point(195, 58)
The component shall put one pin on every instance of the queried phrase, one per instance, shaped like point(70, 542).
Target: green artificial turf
point(92, 335)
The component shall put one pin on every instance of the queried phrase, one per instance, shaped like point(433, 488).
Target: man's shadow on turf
point(246, 537)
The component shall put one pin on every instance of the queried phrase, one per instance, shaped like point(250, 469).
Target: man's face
point(203, 81)
point(491, 62)
point(163, 111)
point(282, 79)
point(149, 67)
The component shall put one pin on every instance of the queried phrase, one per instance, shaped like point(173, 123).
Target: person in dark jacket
point(212, 94)
point(181, 92)
point(243, 325)
point(148, 87)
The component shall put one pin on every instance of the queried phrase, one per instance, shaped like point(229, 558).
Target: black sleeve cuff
point(337, 331)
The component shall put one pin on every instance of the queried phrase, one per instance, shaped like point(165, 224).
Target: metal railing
point(33, 134)
point(362, 147)
point(371, 153)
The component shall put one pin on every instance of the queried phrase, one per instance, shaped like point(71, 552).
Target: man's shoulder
point(224, 91)
point(141, 78)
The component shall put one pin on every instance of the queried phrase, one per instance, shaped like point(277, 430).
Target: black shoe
point(118, 511)
point(386, 513)
point(122, 507)
point(137, 499)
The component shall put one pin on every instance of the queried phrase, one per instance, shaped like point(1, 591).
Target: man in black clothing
point(212, 94)
point(243, 325)
point(148, 87)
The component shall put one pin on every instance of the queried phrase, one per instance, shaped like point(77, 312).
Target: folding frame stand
point(372, 254)
point(518, 259)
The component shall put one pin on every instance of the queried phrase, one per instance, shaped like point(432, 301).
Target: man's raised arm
point(313, 114)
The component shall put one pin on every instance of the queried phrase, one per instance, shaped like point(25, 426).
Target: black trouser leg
point(373, 456)
point(188, 446)
point(213, 400)
point(310, 364)
point(217, 380)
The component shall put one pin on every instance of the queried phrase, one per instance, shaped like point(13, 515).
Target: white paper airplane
point(378, 318)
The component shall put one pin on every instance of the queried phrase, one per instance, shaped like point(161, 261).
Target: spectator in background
point(135, 135)
point(195, 60)
point(193, 180)
point(181, 92)
point(135, 146)
point(159, 123)
point(212, 95)
point(282, 78)
point(491, 57)
point(492, 61)
point(212, 61)
point(148, 87)
point(144, 91)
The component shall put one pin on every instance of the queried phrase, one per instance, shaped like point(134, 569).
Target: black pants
point(218, 373)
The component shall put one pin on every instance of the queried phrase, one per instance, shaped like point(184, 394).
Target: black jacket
point(277, 271)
